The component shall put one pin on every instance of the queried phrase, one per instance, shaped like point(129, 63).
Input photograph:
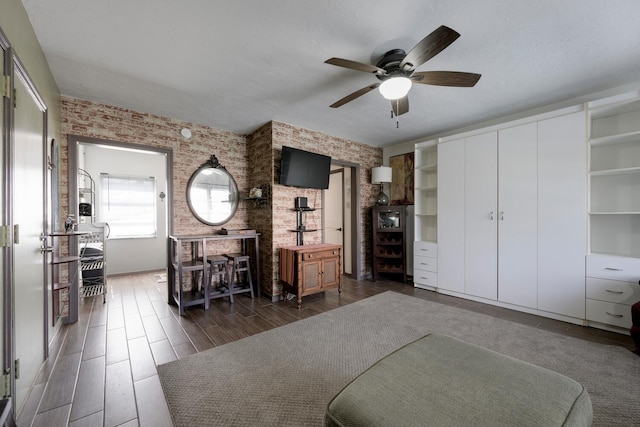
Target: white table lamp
point(381, 175)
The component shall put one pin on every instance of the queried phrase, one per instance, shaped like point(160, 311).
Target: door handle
point(45, 249)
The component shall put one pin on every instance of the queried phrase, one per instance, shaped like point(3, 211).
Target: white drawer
point(613, 267)
point(425, 263)
point(609, 313)
point(613, 291)
point(429, 249)
point(427, 278)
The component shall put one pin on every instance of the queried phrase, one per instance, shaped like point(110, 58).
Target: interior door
point(562, 222)
point(451, 215)
point(518, 215)
point(333, 211)
point(481, 216)
point(30, 278)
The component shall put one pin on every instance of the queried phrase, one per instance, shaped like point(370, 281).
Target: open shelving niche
point(425, 248)
point(614, 207)
point(426, 192)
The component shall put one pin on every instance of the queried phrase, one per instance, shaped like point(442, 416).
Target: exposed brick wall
point(252, 160)
point(284, 218)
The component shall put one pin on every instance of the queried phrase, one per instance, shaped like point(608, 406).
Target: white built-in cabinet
point(613, 264)
point(511, 218)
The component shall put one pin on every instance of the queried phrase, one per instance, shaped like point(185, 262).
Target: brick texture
point(251, 159)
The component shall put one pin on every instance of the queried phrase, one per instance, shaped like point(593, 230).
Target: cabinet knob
point(491, 216)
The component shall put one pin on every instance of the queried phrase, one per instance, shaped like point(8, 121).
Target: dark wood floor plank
point(198, 338)
point(92, 420)
point(95, 343)
point(115, 318)
point(64, 377)
point(117, 347)
point(119, 399)
point(54, 417)
point(174, 331)
point(162, 352)
point(152, 407)
point(133, 325)
point(153, 329)
point(141, 359)
point(89, 395)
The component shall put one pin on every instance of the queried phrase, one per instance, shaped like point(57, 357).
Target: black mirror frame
point(215, 164)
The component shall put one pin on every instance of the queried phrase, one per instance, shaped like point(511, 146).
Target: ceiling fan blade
point(400, 106)
point(354, 95)
point(446, 78)
point(429, 47)
point(354, 65)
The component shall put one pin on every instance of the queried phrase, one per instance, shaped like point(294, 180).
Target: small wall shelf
point(300, 227)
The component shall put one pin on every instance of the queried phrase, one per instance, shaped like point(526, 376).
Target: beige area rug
point(286, 376)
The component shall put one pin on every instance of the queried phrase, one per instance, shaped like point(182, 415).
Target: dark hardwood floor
point(102, 369)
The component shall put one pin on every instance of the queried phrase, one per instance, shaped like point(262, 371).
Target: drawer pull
point(617, 316)
point(614, 292)
point(424, 278)
point(424, 263)
point(613, 269)
point(424, 250)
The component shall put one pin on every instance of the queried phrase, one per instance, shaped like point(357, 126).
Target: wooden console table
point(177, 265)
point(308, 269)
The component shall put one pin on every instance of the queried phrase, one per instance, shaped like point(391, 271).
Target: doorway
point(340, 219)
point(110, 163)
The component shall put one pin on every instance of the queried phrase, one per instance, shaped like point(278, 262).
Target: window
point(128, 205)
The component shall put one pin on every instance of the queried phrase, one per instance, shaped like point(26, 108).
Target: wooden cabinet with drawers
point(308, 269)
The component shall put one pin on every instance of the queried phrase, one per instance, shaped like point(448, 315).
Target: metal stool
point(238, 284)
point(218, 269)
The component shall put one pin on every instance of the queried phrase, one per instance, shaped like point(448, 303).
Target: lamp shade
point(395, 87)
point(381, 174)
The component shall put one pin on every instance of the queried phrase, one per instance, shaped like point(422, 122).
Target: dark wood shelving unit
point(389, 235)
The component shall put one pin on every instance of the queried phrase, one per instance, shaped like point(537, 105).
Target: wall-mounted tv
point(299, 168)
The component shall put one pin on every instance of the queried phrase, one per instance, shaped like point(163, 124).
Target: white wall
point(131, 255)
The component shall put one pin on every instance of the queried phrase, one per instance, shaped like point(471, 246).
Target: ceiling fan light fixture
point(395, 87)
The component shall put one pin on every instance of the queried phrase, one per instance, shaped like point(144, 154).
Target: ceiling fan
point(397, 71)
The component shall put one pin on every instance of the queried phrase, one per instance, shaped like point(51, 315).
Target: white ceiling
point(235, 65)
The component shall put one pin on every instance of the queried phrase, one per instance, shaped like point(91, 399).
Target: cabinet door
point(562, 199)
point(480, 219)
point(451, 216)
point(311, 277)
point(330, 272)
point(518, 215)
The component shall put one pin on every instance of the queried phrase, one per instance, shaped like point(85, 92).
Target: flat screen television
point(299, 168)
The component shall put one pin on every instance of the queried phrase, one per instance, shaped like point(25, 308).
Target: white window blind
point(128, 205)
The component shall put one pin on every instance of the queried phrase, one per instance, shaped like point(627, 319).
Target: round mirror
point(212, 193)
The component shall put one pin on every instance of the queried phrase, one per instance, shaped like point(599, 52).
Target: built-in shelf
point(614, 182)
